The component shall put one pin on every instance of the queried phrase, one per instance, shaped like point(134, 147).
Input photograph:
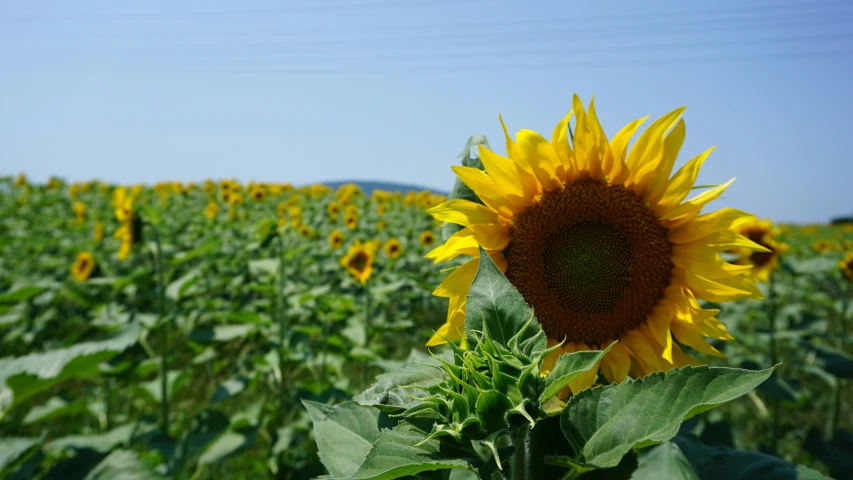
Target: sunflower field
point(575, 308)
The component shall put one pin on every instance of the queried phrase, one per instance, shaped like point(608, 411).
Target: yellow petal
point(682, 182)
point(714, 328)
point(723, 219)
point(519, 186)
point(690, 337)
point(467, 241)
point(658, 323)
point(640, 349)
point(688, 210)
point(453, 329)
point(615, 166)
point(616, 364)
point(458, 282)
point(682, 359)
point(714, 291)
point(542, 158)
point(671, 146)
point(485, 188)
point(463, 212)
point(651, 141)
point(560, 142)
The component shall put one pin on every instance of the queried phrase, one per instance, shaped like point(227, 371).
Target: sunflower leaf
point(568, 367)
point(495, 307)
point(406, 450)
point(664, 461)
point(22, 377)
point(602, 424)
point(725, 463)
point(344, 433)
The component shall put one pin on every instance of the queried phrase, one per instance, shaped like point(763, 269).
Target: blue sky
point(308, 91)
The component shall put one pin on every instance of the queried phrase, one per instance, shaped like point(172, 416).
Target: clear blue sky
point(307, 91)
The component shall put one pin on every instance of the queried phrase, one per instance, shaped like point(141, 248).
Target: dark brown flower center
point(591, 260)
point(359, 261)
point(759, 259)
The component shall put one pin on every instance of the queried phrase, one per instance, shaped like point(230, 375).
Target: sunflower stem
point(157, 260)
point(774, 402)
point(283, 327)
point(519, 466)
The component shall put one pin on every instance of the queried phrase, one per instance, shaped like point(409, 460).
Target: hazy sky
point(307, 91)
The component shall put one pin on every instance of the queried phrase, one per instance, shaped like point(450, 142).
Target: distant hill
point(368, 186)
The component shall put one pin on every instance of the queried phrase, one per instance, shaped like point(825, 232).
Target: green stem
point(774, 402)
point(519, 458)
point(282, 327)
point(835, 418)
point(164, 334)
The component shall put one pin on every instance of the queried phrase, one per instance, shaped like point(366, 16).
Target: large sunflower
point(763, 264)
point(601, 243)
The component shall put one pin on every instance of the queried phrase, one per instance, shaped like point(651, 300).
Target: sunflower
point(823, 246)
point(380, 209)
point(258, 193)
point(393, 248)
point(427, 238)
point(83, 266)
point(20, 180)
point(847, 266)
point(600, 242)
point(281, 209)
point(847, 244)
point(79, 212)
point(336, 239)
point(99, 231)
point(381, 225)
point(763, 264)
point(305, 231)
point(333, 208)
point(359, 259)
point(211, 210)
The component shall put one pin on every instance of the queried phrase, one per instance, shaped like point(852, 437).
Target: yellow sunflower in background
point(381, 225)
point(99, 231)
point(83, 266)
point(847, 244)
point(393, 248)
point(211, 210)
point(600, 242)
point(305, 231)
point(847, 266)
point(336, 239)
point(258, 193)
point(281, 209)
point(763, 264)
point(351, 217)
point(380, 209)
point(823, 246)
point(427, 238)
point(333, 209)
point(359, 259)
point(79, 212)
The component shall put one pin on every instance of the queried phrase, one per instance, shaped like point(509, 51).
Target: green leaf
point(344, 433)
point(20, 294)
point(264, 266)
point(123, 464)
point(227, 444)
point(221, 333)
point(602, 424)
point(22, 377)
point(492, 407)
point(229, 388)
point(404, 451)
point(567, 368)
point(180, 288)
point(495, 306)
point(99, 442)
point(400, 389)
point(14, 448)
point(54, 408)
point(664, 461)
point(723, 463)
